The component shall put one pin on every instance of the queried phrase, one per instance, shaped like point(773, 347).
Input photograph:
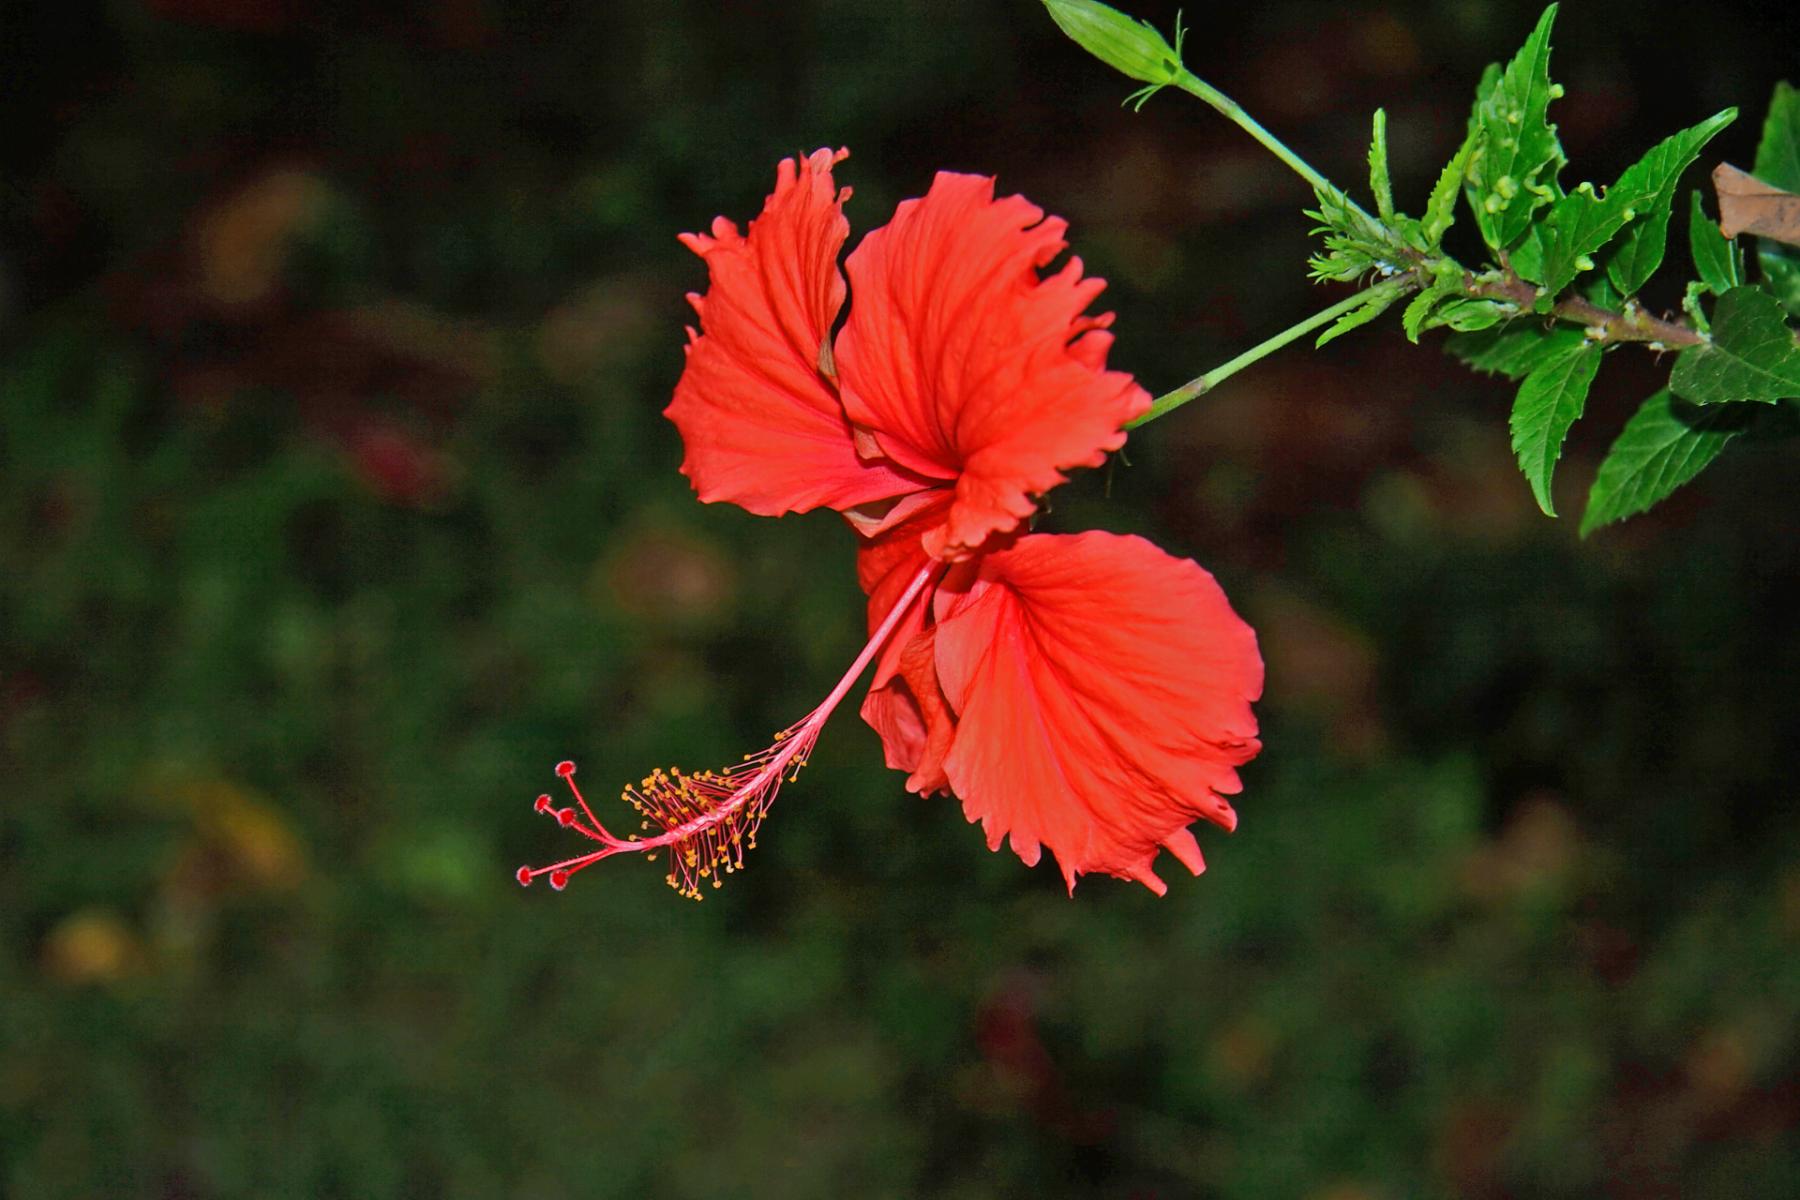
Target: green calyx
point(1131, 47)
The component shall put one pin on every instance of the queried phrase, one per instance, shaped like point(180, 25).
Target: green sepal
point(1550, 400)
point(1752, 355)
point(1664, 445)
point(1131, 47)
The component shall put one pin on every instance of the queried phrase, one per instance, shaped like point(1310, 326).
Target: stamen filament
point(708, 817)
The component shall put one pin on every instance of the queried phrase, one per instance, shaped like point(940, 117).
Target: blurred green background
point(336, 507)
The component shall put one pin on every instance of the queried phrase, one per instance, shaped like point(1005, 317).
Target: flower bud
point(1128, 46)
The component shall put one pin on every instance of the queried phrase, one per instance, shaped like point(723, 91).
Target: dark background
point(335, 508)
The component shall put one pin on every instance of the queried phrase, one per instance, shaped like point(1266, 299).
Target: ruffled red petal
point(760, 419)
point(913, 717)
point(905, 705)
point(965, 364)
point(1102, 696)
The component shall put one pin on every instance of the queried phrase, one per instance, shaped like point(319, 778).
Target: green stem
point(1229, 109)
point(1170, 401)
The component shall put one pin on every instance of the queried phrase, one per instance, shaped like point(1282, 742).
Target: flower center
point(706, 820)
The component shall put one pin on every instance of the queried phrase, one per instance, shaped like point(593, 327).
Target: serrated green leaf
point(1640, 251)
point(1413, 319)
point(1752, 355)
point(1377, 303)
point(1379, 184)
point(1632, 262)
point(1527, 258)
point(1513, 171)
point(1778, 151)
point(1440, 207)
point(1717, 259)
point(1666, 444)
point(1580, 224)
point(1512, 350)
point(1778, 162)
point(1549, 402)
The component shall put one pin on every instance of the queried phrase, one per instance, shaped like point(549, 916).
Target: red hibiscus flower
point(1085, 693)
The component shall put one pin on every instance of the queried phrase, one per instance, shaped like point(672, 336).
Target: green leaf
point(1717, 259)
point(1752, 355)
point(1548, 403)
point(1379, 183)
point(1467, 315)
point(1666, 444)
point(1446, 302)
point(1508, 179)
point(1778, 152)
point(1413, 319)
point(1512, 350)
point(1690, 304)
point(1580, 224)
point(1355, 244)
point(1600, 292)
point(1440, 208)
point(1640, 251)
point(1781, 272)
point(1377, 303)
point(1778, 162)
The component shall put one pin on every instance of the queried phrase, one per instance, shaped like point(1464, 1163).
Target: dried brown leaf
point(1748, 205)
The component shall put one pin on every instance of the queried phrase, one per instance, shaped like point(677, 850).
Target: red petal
point(904, 705)
point(965, 364)
point(887, 559)
point(914, 720)
point(1102, 692)
point(762, 423)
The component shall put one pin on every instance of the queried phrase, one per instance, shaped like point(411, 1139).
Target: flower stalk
point(1169, 401)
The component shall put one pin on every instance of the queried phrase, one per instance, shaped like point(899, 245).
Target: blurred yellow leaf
point(242, 243)
point(94, 945)
point(240, 841)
